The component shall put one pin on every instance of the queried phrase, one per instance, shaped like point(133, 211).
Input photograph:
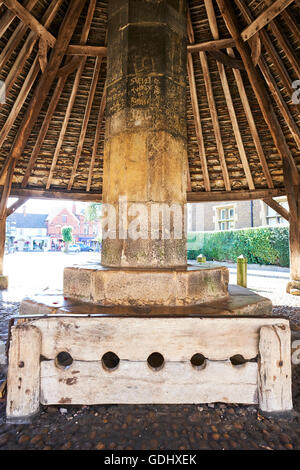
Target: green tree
point(67, 237)
point(93, 211)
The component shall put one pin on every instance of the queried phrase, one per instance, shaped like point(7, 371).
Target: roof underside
point(49, 158)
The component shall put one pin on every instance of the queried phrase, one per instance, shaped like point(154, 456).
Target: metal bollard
point(242, 271)
point(201, 259)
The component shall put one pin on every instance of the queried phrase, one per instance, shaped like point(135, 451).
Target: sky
point(42, 206)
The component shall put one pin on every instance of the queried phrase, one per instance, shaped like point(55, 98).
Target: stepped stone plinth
point(190, 285)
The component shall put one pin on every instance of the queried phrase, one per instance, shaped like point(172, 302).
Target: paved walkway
point(148, 427)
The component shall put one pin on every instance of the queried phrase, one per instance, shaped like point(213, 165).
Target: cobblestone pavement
point(164, 427)
point(170, 427)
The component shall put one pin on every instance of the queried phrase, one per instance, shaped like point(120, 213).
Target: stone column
point(145, 157)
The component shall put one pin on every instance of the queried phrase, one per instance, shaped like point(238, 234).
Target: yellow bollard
point(242, 271)
point(201, 259)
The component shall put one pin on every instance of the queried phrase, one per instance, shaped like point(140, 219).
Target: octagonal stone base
point(191, 285)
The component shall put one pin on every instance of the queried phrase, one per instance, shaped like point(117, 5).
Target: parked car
point(84, 247)
point(74, 248)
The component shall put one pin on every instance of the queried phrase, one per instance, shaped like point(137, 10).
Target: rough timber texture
point(39, 175)
point(23, 379)
point(275, 391)
point(263, 378)
point(145, 157)
point(146, 287)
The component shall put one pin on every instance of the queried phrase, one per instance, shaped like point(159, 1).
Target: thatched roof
point(232, 137)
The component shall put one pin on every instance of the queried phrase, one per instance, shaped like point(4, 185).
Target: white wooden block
point(274, 380)
point(23, 379)
point(177, 339)
point(135, 383)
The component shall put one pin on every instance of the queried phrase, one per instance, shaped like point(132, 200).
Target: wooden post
point(274, 376)
point(23, 379)
point(3, 279)
point(293, 286)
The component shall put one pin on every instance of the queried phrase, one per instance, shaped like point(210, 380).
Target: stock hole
point(110, 361)
point(156, 361)
point(198, 361)
point(238, 360)
point(64, 359)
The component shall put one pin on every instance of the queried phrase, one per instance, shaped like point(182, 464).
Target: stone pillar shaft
point(145, 157)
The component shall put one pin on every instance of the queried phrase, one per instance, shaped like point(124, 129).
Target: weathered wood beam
point(56, 194)
point(44, 85)
point(28, 47)
point(293, 194)
point(228, 98)
point(81, 65)
point(211, 45)
point(244, 195)
point(215, 119)
point(30, 21)
point(277, 208)
point(226, 60)
point(202, 196)
point(83, 50)
point(44, 129)
point(260, 93)
point(197, 120)
point(252, 125)
point(85, 120)
point(268, 45)
point(20, 100)
point(291, 22)
point(272, 85)
point(6, 189)
point(16, 205)
point(9, 16)
point(97, 138)
point(265, 18)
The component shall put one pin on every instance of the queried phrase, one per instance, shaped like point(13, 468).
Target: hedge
point(264, 245)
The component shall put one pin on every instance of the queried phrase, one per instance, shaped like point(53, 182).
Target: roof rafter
point(239, 141)
point(9, 16)
point(81, 65)
point(30, 21)
point(85, 120)
point(65, 33)
point(97, 138)
point(277, 208)
point(265, 18)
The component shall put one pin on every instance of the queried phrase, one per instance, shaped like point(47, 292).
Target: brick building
point(212, 216)
point(83, 230)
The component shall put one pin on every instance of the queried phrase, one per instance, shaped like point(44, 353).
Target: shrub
point(264, 245)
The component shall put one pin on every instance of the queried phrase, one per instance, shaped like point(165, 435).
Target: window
point(86, 229)
point(226, 218)
point(64, 219)
point(273, 218)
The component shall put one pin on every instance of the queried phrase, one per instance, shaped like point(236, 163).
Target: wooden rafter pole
point(65, 33)
point(44, 129)
point(252, 125)
point(29, 44)
point(81, 65)
point(195, 107)
point(283, 43)
point(224, 81)
point(277, 208)
point(15, 206)
point(97, 138)
point(265, 18)
point(9, 16)
point(211, 45)
point(260, 91)
point(85, 120)
point(30, 21)
point(290, 171)
point(272, 85)
point(268, 45)
point(215, 119)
